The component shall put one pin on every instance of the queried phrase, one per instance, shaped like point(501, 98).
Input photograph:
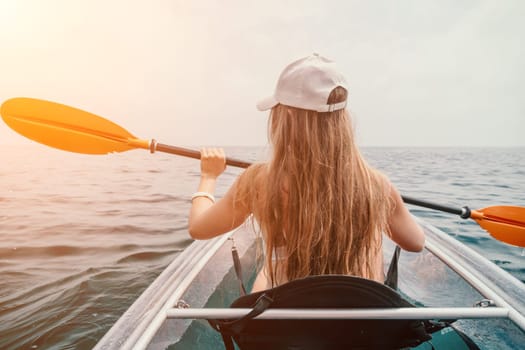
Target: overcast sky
point(421, 73)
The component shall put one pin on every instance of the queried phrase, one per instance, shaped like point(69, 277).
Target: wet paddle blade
point(66, 128)
point(505, 223)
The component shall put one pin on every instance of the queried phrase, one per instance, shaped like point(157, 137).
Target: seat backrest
point(327, 291)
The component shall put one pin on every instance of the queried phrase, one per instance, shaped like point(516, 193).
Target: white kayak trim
point(179, 289)
point(151, 307)
point(407, 313)
point(477, 279)
point(203, 258)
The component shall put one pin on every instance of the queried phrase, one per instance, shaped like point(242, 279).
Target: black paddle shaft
point(464, 212)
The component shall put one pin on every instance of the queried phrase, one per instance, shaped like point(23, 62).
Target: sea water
point(82, 236)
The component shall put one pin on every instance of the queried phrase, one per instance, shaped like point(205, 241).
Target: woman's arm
point(404, 230)
point(208, 219)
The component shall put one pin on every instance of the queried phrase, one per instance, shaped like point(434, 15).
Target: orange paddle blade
point(67, 128)
point(74, 130)
point(505, 223)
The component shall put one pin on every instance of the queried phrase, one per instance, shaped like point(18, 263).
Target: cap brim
point(267, 103)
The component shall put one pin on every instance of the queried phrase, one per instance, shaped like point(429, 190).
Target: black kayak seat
point(326, 291)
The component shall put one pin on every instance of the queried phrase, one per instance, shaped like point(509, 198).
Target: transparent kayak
point(446, 281)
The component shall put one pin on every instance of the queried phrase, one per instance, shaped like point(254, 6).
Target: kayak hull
point(446, 275)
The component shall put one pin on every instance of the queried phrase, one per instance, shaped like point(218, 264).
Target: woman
point(321, 208)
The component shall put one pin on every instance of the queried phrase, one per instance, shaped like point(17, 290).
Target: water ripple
point(78, 246)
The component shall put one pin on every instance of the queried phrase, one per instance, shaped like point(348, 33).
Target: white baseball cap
point(307, 84)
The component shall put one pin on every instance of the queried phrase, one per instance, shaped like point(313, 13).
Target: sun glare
point(9, 14)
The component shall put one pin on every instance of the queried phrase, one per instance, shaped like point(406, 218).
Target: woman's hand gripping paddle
point(74, 130)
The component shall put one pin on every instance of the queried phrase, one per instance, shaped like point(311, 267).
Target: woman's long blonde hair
point(317, 201)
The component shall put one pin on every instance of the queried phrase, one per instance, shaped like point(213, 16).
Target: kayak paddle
point(505, 223)
point(75, 130)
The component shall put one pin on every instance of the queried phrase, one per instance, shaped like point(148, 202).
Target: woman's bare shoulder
point(250, 183)
point(256, 174)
